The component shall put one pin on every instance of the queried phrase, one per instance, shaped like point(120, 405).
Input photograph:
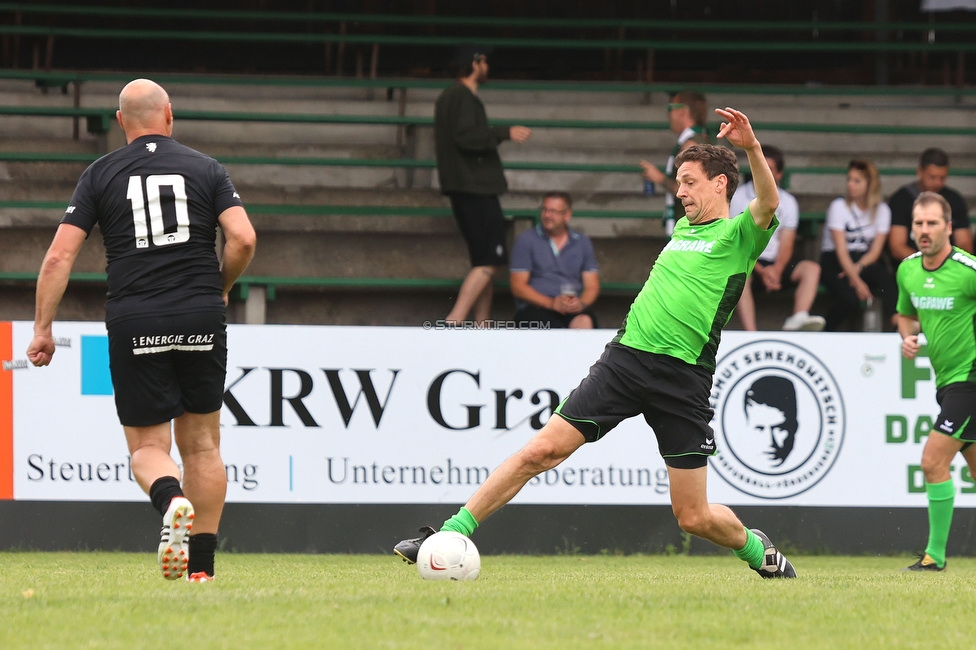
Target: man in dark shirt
point(158, 205)
point(470, 174)
point(933, 168)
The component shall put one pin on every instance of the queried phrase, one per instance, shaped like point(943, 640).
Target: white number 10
point(159, 235)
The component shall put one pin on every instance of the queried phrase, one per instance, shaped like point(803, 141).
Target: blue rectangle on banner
point(96, 378)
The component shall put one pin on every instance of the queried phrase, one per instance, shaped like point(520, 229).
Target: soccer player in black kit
point(158, 205)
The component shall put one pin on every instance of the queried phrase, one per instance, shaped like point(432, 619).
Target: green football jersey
point(945, 302)
point(693, 287)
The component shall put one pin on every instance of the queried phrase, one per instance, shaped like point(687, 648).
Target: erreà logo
point(779, 419)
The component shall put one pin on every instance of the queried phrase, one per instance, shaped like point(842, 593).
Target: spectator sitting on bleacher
point(855, 233)
point(470, 174)
point(776, 267)
point(687, 112)
point(933, 168)
point(554, 275)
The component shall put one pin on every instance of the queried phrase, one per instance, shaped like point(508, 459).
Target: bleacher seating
point(337, 173)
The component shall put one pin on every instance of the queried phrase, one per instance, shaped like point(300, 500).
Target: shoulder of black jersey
point(949, 193)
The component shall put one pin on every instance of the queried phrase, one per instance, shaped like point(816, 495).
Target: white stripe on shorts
point(169, 348)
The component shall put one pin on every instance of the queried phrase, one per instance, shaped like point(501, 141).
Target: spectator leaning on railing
point(687, 112)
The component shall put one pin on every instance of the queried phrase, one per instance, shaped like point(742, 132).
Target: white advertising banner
point(407, 415)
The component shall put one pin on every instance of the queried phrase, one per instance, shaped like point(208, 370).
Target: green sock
point(752, 552)
point(941, 499)
point(463, 522)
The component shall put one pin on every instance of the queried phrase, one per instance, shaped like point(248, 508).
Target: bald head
point(144, 109)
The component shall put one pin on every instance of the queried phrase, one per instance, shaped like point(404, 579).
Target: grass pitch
point(118, 600)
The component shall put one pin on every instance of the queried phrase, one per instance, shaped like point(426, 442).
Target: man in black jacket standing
point(470, 174)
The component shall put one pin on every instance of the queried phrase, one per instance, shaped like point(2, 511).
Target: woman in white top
point(854, 239)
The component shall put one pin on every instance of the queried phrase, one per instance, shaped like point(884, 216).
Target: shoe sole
point(173, 557)
point(200, 576)
point(403, 557)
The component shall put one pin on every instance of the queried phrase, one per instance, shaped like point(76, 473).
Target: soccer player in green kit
point(937, 295)
point(660, 364)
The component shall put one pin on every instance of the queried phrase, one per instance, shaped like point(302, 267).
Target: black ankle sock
point(202, 548)
point(164, 490)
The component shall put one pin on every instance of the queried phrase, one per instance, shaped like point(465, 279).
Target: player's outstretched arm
point(738, 131)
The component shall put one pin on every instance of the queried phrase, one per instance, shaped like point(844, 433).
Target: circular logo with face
point(779, 419)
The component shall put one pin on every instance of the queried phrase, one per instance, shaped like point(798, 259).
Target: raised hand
point(736, 129)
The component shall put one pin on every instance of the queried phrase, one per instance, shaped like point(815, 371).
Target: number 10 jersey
point(156, 203)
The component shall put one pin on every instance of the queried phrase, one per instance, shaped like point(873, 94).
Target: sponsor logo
point(779, 419)
point(690, 245)
point(934, 303)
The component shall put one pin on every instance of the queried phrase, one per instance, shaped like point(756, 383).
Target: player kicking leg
point(611, 390)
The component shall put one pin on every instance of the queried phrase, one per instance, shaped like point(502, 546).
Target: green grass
point(117, 600)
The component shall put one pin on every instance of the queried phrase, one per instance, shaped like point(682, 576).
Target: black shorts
point(785, 282)
point(958, 415)
point(164, 366)
point(671, 395)
point(532, 317)
point(481, 222)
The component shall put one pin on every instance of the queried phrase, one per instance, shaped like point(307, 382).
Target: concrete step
point(839, 109)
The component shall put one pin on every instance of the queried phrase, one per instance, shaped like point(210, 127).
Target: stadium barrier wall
point(344, 439)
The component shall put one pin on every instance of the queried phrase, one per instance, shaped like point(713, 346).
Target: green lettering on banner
point(896, 429)
point(969, 483)
point(916, 479)
point(910, 373)
point(923, 427)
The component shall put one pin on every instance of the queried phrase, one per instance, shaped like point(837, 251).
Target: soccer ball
point(448, 556)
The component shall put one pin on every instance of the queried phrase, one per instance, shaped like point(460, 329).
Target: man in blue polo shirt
point(554, 275)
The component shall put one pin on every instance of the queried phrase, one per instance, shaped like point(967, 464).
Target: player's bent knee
point(935, 467)
point(539, 457)
point(691, 521)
